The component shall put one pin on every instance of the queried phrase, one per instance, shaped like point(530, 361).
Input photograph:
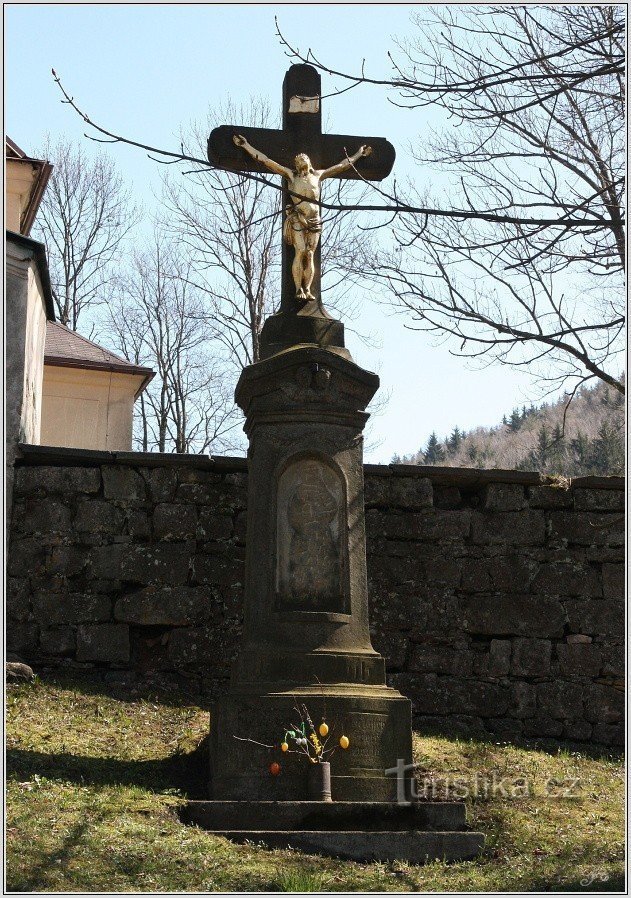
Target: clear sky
point(146, 71)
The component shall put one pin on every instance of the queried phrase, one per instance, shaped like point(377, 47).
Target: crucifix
point(303, 156)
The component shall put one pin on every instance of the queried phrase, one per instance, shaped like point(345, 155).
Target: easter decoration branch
point(303, 739)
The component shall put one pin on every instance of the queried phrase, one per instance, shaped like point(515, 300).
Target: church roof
point(41, 173)
point(66, 348)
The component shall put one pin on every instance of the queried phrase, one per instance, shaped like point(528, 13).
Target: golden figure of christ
point(302, 222)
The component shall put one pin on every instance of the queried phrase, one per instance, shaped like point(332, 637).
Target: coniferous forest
point(591, 440)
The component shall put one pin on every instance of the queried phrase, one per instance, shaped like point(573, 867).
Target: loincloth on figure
point(296, 220)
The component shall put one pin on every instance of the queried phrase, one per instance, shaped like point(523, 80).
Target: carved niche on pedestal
point(311, 544)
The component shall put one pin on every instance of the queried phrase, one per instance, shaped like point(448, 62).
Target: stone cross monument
point(306, 631)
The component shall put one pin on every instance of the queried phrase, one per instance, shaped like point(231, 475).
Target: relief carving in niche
point(310, 552)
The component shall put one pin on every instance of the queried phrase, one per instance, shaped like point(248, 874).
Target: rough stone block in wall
point(66, 560)
point(512, 615)
point(215, 525)
point(602, 618)
point(443, 570)
point(123, 483)
point(161, 484)
point(549, 497)
point(393, 646)
point(161, 563)
point(447, 497)
point(178, 606)
point(531, 657)
point(412, 493)
point(22, 638)
point(219, 570)
point(578, 730)
point(613, 581)
point(604, 704)
point(98, 516)
point(599, 500)
point(103, 642)
point(214, 645)
point(522, 700)
point(51, 608)
point(17, 602)
point(396, 610)
point(434, 526)
point(505, 573)
point(47, 479)
point(504, 497)
point(495, 663)
point(608, 734)
point(42, 516)
point(584, 528)
point(561, 700)
point(104, 562)
point(542, 726)
point(27, 557)
point(58, 641)
point(524, 528)
point(438, 659)
point(174, 521)
point(569, 578)
point(578, 660)
point(612, 660)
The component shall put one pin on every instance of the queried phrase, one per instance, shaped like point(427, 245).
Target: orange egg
point(323, 729)
point(284, 747)
point(344, 741)
point(274, 768)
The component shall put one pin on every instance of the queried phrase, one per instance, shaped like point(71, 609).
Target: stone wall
point(496, 598)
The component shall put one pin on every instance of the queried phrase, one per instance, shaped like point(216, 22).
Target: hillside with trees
point(536, 439)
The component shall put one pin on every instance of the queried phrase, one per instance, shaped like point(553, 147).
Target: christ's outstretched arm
point(345, 164)
point(261, 157)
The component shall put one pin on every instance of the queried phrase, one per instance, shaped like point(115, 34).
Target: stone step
point(329, 816)
point(357, 845)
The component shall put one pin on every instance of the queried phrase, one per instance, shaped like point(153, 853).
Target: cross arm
point(223, 152)
point(324, 150)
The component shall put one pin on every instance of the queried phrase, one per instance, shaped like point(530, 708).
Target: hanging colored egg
point(284, 747)
point(323, 729)
point(344, 741)
point(274, 768)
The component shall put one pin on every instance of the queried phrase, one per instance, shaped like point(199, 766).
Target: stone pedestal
point(306, 637)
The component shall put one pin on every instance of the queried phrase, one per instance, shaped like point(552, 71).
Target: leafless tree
point(85, 216)
point(526, 268)
point(231, 228)
point(158, 319)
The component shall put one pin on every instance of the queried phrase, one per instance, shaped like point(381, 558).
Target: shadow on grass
point(187, 773)
point(37, 880)
point(136, 689)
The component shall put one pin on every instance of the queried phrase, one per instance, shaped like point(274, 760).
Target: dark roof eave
point(58, 361)
point(39, 254)
point(44, 172)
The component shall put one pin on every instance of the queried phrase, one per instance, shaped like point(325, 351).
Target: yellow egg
point(323, 729)
point(344, 741)
point(284, 747)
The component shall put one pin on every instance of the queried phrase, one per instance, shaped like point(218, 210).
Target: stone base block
point(367, 816)
point(410, 847)
point(361, 831)
point(376, 719)
point(311, 326)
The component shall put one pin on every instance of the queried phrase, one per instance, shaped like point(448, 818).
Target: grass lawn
point(94, 780)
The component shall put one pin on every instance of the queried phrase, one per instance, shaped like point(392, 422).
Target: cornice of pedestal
point(306, 383)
